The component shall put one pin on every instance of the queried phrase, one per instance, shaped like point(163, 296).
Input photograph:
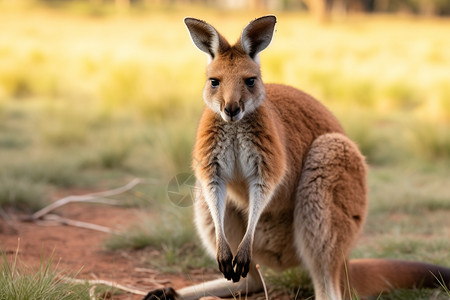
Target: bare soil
point(81, 251)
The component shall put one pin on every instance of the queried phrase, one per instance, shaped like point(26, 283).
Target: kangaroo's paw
point(162, 294)
point(241, 264)
point(225, 261)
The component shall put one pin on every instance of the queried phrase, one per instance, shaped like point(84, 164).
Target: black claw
point(223, 268)
point(228, 271)
point(236, 277)
point(162, 294)
point(237, 270)
point(241, 264)
point(246, 269)
point(225, 262)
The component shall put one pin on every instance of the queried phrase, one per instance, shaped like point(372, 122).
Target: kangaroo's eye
point(214, 82)
point(250, 82)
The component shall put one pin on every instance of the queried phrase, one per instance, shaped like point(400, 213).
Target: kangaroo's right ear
point(257, 35)
point(206, 37)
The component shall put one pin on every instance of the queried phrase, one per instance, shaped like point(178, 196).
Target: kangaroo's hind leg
point(330, 210)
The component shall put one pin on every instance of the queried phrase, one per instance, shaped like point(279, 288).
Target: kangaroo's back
point(303, 119)
point(301, 113)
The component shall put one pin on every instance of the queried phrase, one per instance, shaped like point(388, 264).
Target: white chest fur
point(236, 153)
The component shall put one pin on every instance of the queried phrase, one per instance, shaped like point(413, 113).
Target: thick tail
point(370, 277)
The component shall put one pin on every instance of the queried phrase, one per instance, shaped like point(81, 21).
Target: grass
point(21, 193)
point(19, 282)
point(417, 294)
point(295, 282)
point(87, 101)
point(442, 283)
point(170, 239)
point(431, 141)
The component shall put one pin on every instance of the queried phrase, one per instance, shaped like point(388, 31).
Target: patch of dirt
point(78, 250)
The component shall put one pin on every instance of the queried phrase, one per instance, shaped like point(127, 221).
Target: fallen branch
point(98, 197)
point(80, 224)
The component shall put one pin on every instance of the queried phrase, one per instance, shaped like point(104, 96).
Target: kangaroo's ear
point(206, 37)
point(257, 35)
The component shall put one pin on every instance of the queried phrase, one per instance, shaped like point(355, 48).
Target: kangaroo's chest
point(237, 155)
point(238, 162)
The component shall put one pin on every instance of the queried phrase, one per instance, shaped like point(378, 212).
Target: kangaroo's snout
point(232, 110)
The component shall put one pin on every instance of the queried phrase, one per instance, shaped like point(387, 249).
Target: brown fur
point(279, 182)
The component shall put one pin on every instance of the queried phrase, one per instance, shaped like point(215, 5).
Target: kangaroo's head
point(234, 86)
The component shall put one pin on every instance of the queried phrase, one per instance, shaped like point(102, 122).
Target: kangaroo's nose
point(232, 109)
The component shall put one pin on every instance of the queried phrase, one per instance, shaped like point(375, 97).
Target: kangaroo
point(279, 182)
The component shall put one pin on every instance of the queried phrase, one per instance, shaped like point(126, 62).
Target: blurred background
point(95, 92)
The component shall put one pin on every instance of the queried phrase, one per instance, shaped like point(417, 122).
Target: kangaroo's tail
point(370, 277)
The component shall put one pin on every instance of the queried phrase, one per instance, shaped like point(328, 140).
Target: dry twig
point(64, 221)
point(99, 197)
point(92, 293)
point(262, 279)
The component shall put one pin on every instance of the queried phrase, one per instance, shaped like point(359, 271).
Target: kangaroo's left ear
point(206, 37)
point(257, 35)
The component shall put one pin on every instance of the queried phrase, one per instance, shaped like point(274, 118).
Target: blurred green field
point(90, 98)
